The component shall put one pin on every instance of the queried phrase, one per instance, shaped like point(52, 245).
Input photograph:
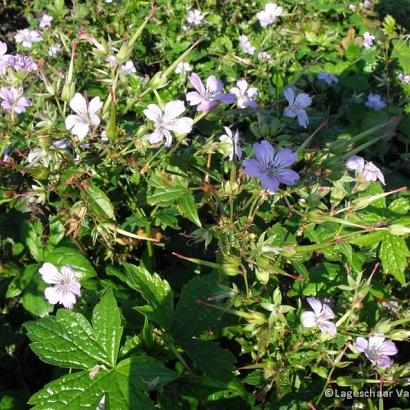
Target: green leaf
point(36, 304)
point(166, 195)
point(192, 318)
point(400, 205)
point(210, 358)
point(99, 202)
point(369, 239)
point(31, 237)
point(186, 206)
point(66, 340)
point(22, 280)
point(73, 257)
point(107, 325)
point(393, 254)
point(155, 291)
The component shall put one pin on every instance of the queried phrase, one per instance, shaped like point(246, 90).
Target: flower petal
point(361, 344)
point(52, 295)
point(153, 113)
point(264, 152)
point(213, 84)
point(196, 82)
point(173, 109)
point(289, 95)
point(182, 125)
point(270, 183)
point(49, 273)
point(79, 105)
point(316, 305)
point(252, 168)
point(308, 319)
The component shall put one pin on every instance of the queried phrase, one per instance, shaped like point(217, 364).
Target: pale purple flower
point(375, 102)
point(245, 95)
point(62, 144)
point(128, 68)
point(269, 14)
point(27, 37)
point(37, 155)
point(54, 50)
point(111, 61)
point(13, 100)
point(21, 62)
point(168, 121)
point(297, 105)
point(45, 21)
point(368, 39)
point(195, 17)
point(366, 169)
point(207, 98)
point(264, 55)
point(230, 144)
point(352, 7)
point(86, 115)
point(327, 78)
point(320, 317)
point(4, 58)
point(404, 77)
point(366, 4)
point(377, 349)
point(183, 68)
point(245, 44)
point(272, 168)
point(65, 285)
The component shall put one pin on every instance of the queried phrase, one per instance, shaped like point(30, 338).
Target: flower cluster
point(366, 170)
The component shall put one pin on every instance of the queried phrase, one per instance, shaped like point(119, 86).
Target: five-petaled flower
point(195, 17)
point(65, 285)
point(27, 37)
point(272, 168)
point(297, 105)
point(13, 100)
point(86, 115)
point(45, 21)
point(245, 95)
point(368, 40)
point(320, 317)
point(230, 144)
point(377, 349)
point(269, 14)
point(365, 169)
point(327, 78)
point(168, 121)
point(128, 68)
point(375, 102)
point(183, 68)
point(207, 98)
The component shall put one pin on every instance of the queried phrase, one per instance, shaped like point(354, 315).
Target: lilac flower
point(230, 144)
point(21, 62)
point(207, 98)
point(269, 15)
point(128, 68)
point(195, 17)
point(86, 115)
point(366, 169)
point(377, 349)
point(368, 39)
point(245, 95)
point(168, 121)
point(27, 37)
point(65, 285)
point(245, 45)
point(320, 317)
point(271, 167)
point(13, 100)
point(62, 144)
point(183, 68)
point(404, 77)
point(263, 55)
point(375, 102)
point(366, 4)
point(45, 21)
point(327, 78)
point(54, 50)
point(297, 105)
point(111, 61)
point(4, 58)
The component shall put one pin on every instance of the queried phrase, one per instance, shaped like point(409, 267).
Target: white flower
point(111, 60)
point(230, 144)
point(320, 317)
point(246, 45)
point(86, 115)
point(195, 17)
point(245, 95)
point(368, 40)
point(45, 21)
point(297, 105)
point(103, 136)
point(366, 169)
point(27, 37)
point(54, 50)
point(38, 155)
point(352, 7)
point(269, 15)
point(183, 68)
point(366, 4)
point(65, 285)
point(168, 121)
point(404, 77)
point(263, 55)
point(128, 68)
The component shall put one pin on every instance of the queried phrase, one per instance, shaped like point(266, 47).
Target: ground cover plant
point(204, 205)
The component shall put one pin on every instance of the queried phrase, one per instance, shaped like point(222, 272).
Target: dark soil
point(10, 21)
